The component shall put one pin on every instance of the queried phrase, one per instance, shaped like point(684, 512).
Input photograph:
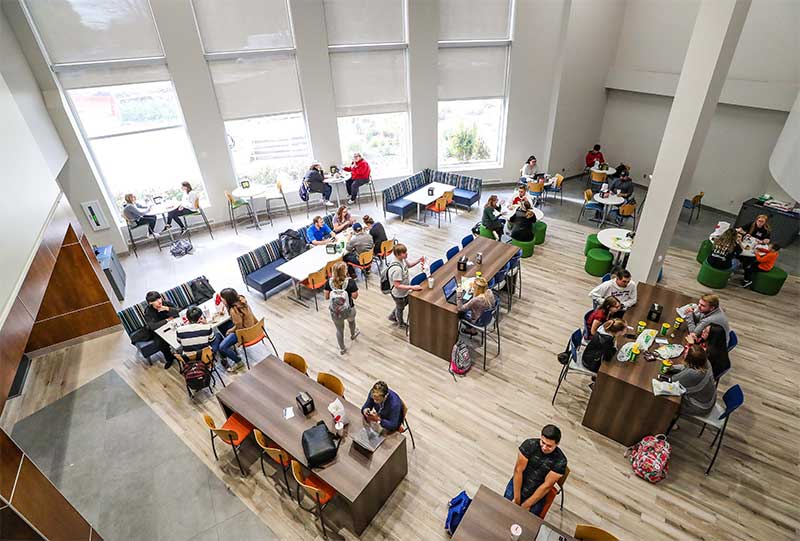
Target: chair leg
point(561, 378)
point(271, 343)
point(286, 480)
point(214, 447)
point(721, 433)
point(133, 243)
point(562, 499)
point(285, 204)
point(316, 303)
point(238, 461)
point(410, 433)
point(208, 225)
point(321, 519)
point(246, 360)
point(702, 430)
point(261, 459)
point(485, 340)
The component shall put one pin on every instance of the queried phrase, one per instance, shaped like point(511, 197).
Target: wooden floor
point(467, 432)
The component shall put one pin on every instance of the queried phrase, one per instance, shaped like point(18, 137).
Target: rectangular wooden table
point(217, 317)
point(623, 406)
point(364, 482)
point(433, 322)
point(490, 517)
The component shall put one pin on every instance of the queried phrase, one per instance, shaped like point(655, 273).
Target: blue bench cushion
point(147, 347)
point(267, 277)
point(465, 197)
point(399, 206)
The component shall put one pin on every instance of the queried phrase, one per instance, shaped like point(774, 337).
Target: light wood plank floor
point(467, 432)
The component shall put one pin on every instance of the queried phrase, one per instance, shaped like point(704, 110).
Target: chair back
point(317, 279)
point(587, 195)
point(627, 209)
point(386, 247)
point(296, 361)
point(440, 204)
point(365, 258)
point(575, 343)
point(464, 242)
point(535, 187)
point(418, 279)
point(231, 199)
point(448, 197)
point(451, 253)
point(559, 180)
point(209, 421)
point(279, 186)
point(606, 277)
point(297, 473)
point(331, 382)
point(733, 340)
point(329, 267)
point(206, 355)
point(228, 436)
point(251, 334)
point(435, 265)
point(733, 398)
point(697, 198)
point(585, 532)
point(275, 453)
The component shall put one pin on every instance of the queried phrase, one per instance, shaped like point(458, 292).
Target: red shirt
point(593, 156)
point(359, 170)
point(598, 315)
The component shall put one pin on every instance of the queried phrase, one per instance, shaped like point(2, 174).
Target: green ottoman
point(526, 247)
point(486, 233)
point(713, 278)
point(706, 247)
point(539, 232)
point(592, 243)
point(770, 282)
point(598, 261)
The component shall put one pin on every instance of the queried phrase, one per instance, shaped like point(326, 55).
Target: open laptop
point(449, 290)
point(367, 439)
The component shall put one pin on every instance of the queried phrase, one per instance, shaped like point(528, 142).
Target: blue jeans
point(535, 508)
point(227, 346)
point(327, 189)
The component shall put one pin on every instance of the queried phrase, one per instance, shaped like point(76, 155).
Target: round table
point(509, 211)
point(607, 202)
point(599, 175)
point(253, 192)
point(344, 176)
point(616, 240)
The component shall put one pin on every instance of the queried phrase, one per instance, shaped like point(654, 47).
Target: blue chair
point(466, 240)
point(574, 364)
point(585, 326)
point(500, 283)
point(418, 279)
point(488, 321)
point(718, 418)
point(515, 271)
point(452, 252)
point(693, 204)
point(556, 188)
point(733, 341)
point(435, 265)
point(606, 277)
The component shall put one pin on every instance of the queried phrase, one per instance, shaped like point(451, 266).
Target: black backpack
point(201, 290)
point(291, 243)
point(386, 283)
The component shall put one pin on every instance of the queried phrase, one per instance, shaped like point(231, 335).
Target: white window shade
point(240, 25)
point(93, 76)
point(472, 72)
point(352, 22)
point(87, 30)
point(369, 82)
point(249, 87)
point(474, 19)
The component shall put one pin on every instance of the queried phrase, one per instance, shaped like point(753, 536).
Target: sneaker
point(342, 351)
point(747, 283)
point(402, 325)
point(329, 203)
point(351, 201)
point(393, 317)
point(355, 334)
point(235, 367)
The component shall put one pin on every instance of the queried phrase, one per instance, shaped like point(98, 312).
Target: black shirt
point(155, 319)
point(600, 348)
point(378, 234)
point(539, 465)
point(624, 185)
point(351, 287)
point(314, 179)
point(522, 226)
point(760, 233)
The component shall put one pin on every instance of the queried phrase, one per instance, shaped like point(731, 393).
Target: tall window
point(370, 82)
point(474, 41)
point(250, 52)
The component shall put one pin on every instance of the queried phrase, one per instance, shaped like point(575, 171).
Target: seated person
point(704, 313)
point(190, 201)
point(359, 175)
point(137, 215)
point(482, 300)
point(593, 156)
point(490, 219)
point(619, 286)
point(376, 231)
point(156, 314)
point(697, 377)
point(315, 182)
point(540, 464)
point(766, 256)
point(723, 250)
point(360, 242)
point(529, 170)
point(522, 221)
point(342, 220)
point(319, 232)
point(520, 196)
point(602, 346)
point(622, 185)
point(758, 229)
point(714, 340)
point(600, 315)
point(383, 406)
point(199, 334)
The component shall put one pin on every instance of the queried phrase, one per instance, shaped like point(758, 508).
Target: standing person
point(714, 340)
point(359, 175)
point(397, 272)
point(359, 243)
point(383, 406)
point(619, 286)
point(242, 317)
point(522, 221)
point(600, 315)
point(697, 377)
point(319, 232)
point(602, 346)
point(315, 181)
point(342, 290)
point(156, 314)
point(376, 231)
point(723, 250)
point(529, 170)
point(766, 256)
point(137, 214)
point(705, 312)
point(490, 219)
point(540, 464)
point(593, 156)
point(759, 229)
point(342, 219)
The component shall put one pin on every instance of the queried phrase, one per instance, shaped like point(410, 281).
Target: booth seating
point(770, 282)
point(712, 277)
point(467, 190)
point(259, 267)
point(133, 322)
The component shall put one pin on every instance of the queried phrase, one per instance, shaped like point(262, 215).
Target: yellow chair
point(233, 205)
point(364, 263)
point(599, 176)
point(628, 210)
point(588, 203)
point(320, 491)
point(233, 432)
point(331, 382)
point(693, 204)
point(252, 336)
point(329, 267)
point(556, 188)
point(536, 190)
point(585, 532)
point(404, 426)
point(278, 195)
point(315, 282)
point(276, 453)
point(295, 361)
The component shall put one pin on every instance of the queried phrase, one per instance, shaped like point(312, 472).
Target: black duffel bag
point(318, 445)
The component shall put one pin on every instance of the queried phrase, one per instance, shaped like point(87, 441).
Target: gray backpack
point(340, 300)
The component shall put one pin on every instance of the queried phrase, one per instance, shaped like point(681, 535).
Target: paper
point(547, 534)
point(662, 341)
point(666, 388)
point(288, 413)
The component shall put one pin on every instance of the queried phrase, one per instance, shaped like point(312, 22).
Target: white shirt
point(609, 288)
point(190, 200)
point(528, 171)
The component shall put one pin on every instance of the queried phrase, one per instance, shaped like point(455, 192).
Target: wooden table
point(490, 516)
point(363, 482)
point(433, 322)
point(623, 406)
point(169, 333)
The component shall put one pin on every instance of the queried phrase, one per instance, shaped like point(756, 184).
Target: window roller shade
point(472, 72)
point(369, 82)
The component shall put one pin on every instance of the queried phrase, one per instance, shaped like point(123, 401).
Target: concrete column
point(195, 90)
point(314, 70)
point(713, 42)
point(423, 75)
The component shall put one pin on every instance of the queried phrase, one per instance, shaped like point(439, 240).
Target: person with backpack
point(198, 334)
point(395, 281)
point(341, 291)
point(384, 407)
point(540, 464)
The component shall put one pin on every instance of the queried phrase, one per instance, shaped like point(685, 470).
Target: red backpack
point(650, 458)
point(196, 375)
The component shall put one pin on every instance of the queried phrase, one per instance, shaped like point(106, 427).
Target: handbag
point(318, 445)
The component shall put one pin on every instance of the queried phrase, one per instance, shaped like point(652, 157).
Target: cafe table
point(617, 241)
point(610, 200)
point(337, 180)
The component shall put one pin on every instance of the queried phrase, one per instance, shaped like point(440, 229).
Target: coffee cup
point(516, 531)
point(431, 281)
point(339, 427)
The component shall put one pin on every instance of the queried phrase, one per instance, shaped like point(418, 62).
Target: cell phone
point(664, 377)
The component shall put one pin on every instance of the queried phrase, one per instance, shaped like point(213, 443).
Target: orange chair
point(278, 455)
point(252, 336)
point(386, 249)
point(319, 490)
point(585, 532)
point(329, 267)
point(365, 260)
point(233, 432)
point(536, 191)
point(404, 426)
point(331, 382)
point(440, 206)
point(315, 282)
point(295, 361)
point(551, 496)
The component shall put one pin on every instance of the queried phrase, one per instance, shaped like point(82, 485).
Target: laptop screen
point(450, 287)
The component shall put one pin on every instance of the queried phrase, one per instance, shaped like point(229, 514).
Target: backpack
point(181, 247)
point(386, 284)
point(196, 375)
point(650, 458)
point(460, 359)
point(201, 290)
point(455, 512)
point(291, 244)
point(340, 300)
point(303, 192)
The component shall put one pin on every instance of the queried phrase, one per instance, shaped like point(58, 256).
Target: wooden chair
point(295, 361)
point(404, 426)
point(439, 206)
point(278, 195)
point(233, 432)
point(556, 188)
point(252, 336)
point(628, 210)
point(278, 455)
point(329, 267)
point(207, 358)
point(233, 205)
point(588, 204)
point(331, 382)
point(449, 198)
point(315, 282)
point(365, 260)
point(585, 532)
point(693, 204)
point(386, 250)
point(320, 491)
point(536, 191)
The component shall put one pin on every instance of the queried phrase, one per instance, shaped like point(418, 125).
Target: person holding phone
point(383, 407)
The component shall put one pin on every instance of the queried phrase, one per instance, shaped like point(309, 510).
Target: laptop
point(449, 290)
point(367, 439)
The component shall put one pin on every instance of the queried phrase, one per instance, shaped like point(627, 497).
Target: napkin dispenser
point(245, 184)
point(305, 403)
point(330, 248)
point(462, 263)
point(655, 312)
point(430, 191)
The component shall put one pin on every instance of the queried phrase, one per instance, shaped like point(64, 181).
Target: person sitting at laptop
point(383, 406)
point(482, 300)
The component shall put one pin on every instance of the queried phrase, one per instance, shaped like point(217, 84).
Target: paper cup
point(516, 531)
point(431, 281)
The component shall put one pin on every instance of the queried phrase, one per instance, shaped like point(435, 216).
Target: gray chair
point(133, 226)
point(198, 211)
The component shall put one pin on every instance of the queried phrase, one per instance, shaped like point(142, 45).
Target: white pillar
point(716, 33)
point(195, 90)
point(423, 74)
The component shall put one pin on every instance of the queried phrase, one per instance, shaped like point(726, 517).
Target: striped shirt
point(195, 336)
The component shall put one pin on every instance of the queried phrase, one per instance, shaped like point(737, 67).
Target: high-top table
point(433, 322)
point(362, 481)
point(335, 181)
point(622, 405)
point(423, 199)
point(254, 191)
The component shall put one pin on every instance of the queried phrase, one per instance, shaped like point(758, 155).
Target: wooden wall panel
point(10, 457)
point(70, 237)
point(62, 328)
point(13, 338)
point(73, 284)
point(35, 284)
point(57, 228)
point(13, 528)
